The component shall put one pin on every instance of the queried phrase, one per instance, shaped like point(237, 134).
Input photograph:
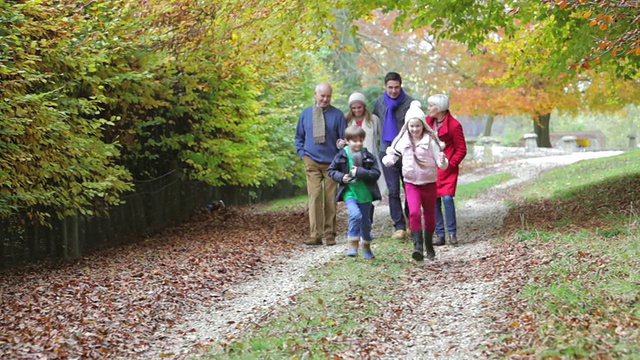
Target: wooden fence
point(155, 204)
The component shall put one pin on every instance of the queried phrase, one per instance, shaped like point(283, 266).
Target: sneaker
point(313, 242)
point(399, 234)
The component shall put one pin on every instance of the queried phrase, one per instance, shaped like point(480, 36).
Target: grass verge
point(331, 314)
point(585, 176)
point(473, 189)
point(585, 301)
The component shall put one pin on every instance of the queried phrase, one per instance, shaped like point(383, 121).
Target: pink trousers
point(422, 202)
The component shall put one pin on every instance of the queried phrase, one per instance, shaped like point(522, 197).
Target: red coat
point(455, 149)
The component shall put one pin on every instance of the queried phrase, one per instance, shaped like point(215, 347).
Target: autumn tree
point(542, 42)
point(408, 52)
point(99, 92)
point(590, 30)
point(53, 161)
point(474, 81)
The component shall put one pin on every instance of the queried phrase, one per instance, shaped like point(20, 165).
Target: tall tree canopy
point(99, 93)
point(534, 50)
point(588, 32)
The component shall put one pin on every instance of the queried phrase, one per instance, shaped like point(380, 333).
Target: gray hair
point(441, 101)
point(323, 86)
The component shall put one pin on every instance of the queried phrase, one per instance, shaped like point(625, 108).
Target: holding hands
point(388, 160)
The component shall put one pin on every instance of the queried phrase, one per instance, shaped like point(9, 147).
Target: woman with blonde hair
point(359, 115)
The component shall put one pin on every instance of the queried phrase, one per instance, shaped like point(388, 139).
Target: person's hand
point(341, 143)
point(388, 160)
point(443, 158)
point(346, 178)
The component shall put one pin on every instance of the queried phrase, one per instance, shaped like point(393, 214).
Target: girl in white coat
point(421, 152)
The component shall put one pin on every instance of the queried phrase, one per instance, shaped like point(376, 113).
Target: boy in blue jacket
point(356, 171)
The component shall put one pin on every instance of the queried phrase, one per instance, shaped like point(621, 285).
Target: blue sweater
point(335, 124)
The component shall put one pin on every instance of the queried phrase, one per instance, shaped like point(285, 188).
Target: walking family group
point(346, 156)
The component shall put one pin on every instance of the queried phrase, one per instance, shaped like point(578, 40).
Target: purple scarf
point(389, 126)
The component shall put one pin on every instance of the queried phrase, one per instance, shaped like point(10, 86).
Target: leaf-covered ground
point(117, 302)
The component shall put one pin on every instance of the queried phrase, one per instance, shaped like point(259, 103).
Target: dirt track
point(454, 305)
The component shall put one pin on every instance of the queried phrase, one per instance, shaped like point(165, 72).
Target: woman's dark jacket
point(368, 172)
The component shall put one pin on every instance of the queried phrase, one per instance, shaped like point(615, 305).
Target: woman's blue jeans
point(449, 215)
point(359, 219)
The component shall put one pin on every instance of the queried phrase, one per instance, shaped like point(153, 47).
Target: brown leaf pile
point(118, 302)
point(588, 208)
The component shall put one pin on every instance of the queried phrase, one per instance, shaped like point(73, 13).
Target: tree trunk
point(541, 128)
point(343, 61)
point(488, 125)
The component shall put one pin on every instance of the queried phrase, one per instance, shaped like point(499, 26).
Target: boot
point(428, 243)
point(417, 245)
point(453, 240)
point(439, 241)
point(352, 247)
point(367, 254)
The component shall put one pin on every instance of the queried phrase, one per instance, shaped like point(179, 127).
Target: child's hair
point(354, 132)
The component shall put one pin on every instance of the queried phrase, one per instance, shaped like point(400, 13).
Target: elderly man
point(319, 128)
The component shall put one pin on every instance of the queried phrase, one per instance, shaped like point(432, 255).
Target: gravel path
point(447, 324)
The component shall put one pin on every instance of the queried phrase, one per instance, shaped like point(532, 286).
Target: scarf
point(356, 157)
point(389, 126)
point(318, 125)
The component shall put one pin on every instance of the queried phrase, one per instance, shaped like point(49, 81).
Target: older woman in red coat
point(450, 132)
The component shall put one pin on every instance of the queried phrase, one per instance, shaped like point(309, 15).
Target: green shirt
point(358, 189)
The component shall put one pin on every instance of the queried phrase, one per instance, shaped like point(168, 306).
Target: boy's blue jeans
point(449, 215)
point(359, 219)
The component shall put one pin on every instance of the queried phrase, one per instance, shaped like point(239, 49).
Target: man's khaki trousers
point(322, 200)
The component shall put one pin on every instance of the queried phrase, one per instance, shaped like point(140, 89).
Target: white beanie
point(357, 97)
point(415, 112)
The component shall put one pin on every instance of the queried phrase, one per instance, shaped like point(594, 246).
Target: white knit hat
point(357, 97)
point(415, 112)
